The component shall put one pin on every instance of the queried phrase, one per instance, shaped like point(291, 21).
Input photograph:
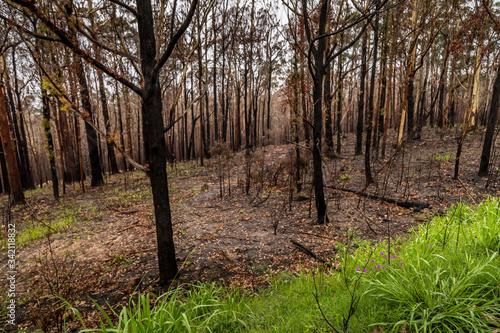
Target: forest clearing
point(186, 165)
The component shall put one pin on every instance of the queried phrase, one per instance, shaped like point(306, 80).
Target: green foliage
point(132, 197)
point(202, 308)
point(345, 177)
point(64, 215)
point(444, 279)
point(450, 278)
point(39, 231)
point(60, 220)
point(440, 158)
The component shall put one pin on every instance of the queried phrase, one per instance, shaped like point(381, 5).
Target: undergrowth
point(444, 278)
point(201, 308)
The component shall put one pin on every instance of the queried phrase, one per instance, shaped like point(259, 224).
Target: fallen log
point(418, 206)
point(305, 250)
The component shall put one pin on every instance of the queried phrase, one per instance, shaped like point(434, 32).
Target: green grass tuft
point(202, 308)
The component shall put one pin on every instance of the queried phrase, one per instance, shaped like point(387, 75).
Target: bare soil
point(231, 237)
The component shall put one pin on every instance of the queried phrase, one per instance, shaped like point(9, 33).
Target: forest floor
point(103, 241)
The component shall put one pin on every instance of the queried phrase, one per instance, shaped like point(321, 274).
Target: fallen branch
point(127, 228)
point(307, 233)
point(128, 212)
point(405, 204)
point(305, 250)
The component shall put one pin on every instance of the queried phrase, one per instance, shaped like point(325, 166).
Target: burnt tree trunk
point(95, 165)
point(16, 133)
point(371, 111)
point(339, 105)
point(328, 111)
point(318, 76)
point(361, 98)
point(3, 170)
point(105, 114)
point(490, 128)
point(120, 125)
point(15, 183)
point(237, 125)
point(305, 112)
point(216, 120)
point(27, 177)
point(382, 112)
point(154, 139)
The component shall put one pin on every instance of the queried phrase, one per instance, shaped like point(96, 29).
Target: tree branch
point(306, 25)
point(81, 115)
point(107, 48)
point(348, 46)
point(127, 7)
point(175, 38)
point(492, 16)
point(10, 21)
point(169, 126)
point(68, 41)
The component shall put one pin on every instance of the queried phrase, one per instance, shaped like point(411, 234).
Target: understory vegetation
point(444, 278)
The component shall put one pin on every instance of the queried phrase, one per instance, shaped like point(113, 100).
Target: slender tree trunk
point(477, 85)
point(28, 178)
point(208, 139)
point(490, 128)
point(441, 91)
point(467, 122)
point(255, 108)
point(371, 111)
point(216, 120)
point(154, 143)
point(128, 127)
point(247, 114)
point(318, 77)
point(200, 90)
point(9, 152)
point(305, 112)
point(328, 111)
point(120, 126)
point(382, 111)
point(184, 145)
point(92, 142)
point(316, 146)
point(269, 86)
point(223, 91)
point(339, 105)
point(77, 138)
point(16, 138)
point(409, 103)
point(237, 126)
point(361, 98)
point(107, 124)
point(295, 122)
point(388, 103)
point(57, 117)
point(3, 169)
point(421, 118)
